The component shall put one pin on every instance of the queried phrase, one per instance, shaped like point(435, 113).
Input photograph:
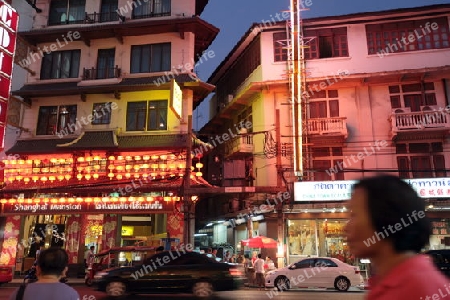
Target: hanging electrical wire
point(270, 146)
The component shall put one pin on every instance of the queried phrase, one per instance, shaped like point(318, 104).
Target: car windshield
point(179, 258)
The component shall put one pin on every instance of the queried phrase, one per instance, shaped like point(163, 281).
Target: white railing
point(420, 120)
point(241, 144)
point(336, 125)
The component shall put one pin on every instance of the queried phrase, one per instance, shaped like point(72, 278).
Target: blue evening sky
point(234, 18)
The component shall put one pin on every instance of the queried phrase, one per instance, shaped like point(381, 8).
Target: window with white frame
point(59, 120)
point(421, 160)
point(328, 163)
point(412, 95)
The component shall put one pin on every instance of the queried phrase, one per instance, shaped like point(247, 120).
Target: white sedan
point(315, 272)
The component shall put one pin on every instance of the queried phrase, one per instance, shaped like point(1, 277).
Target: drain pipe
point(446, 96)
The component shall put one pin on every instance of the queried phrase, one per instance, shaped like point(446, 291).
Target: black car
point(441, 259)
point(171, 272)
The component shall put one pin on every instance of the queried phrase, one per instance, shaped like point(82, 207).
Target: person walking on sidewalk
point(258, 265)
point(378, 204)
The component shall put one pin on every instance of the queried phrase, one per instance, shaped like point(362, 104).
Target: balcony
point(103, 17)
point(103, 73)
point(420, 124)
point(328, 129)
point(240, 146)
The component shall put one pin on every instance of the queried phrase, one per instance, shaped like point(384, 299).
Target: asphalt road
point(87, 293)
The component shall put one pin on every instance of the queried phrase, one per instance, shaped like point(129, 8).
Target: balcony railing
point(420, 120)
point(104, 73)
point(150, 15)
point(239, 145)
point(321, 126)
point(102, 17)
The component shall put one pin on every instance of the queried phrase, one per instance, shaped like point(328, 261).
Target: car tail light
point(235, 272)
point(357, 271)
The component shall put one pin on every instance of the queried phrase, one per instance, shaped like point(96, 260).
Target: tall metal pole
point(295, 86)
point(188, 208)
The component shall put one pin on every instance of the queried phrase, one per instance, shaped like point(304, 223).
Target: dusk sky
point(234, 17)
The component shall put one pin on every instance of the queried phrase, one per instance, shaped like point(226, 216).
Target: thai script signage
point(341, 190)
point(73, 208)
point(9, 21)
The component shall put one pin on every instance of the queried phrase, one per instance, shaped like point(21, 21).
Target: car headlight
point(271, 272)
point(100, 275)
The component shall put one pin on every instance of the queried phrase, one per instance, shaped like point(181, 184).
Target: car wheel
point(282, 283)
point(203, 290)
point(342, 284)
point(116, 289)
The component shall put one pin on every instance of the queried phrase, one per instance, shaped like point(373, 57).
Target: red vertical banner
point(73, 237)
point(10, 241)
point(109, 231)
point(175, 225)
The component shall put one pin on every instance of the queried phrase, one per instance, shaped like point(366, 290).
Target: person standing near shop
point(89, 257)
point(388, 226)
point(52, 264)
point(258, 265)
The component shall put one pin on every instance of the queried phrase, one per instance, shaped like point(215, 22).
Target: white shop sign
point(341, 190)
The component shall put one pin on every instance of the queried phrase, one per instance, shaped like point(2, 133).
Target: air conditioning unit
point(429, 108)
point(401, 110)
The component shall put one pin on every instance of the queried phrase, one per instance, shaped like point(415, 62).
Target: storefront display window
point(318, 238)
point(302, 237)
point(332, 240)
point(440, 234)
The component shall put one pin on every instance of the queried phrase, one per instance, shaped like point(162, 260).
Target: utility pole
point(188, 207)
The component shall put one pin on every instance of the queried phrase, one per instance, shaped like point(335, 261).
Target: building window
point(60, 120)
point(150, 58)
point(328, 163)
point(108, 11)
point(151, 8)
point(407, 36)
point(280, 46)
point(101, 113)
point(325, 43)
point(61, 64)
point(66, 12)
point(147, 115)
point(324, 104)
point(245, 65)
point(420, 160)
point(415, 95)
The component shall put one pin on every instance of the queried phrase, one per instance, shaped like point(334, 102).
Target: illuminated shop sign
point(56, 208)
point(341, 190)
point(9, 20)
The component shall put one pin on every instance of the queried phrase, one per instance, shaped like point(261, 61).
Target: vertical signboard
point(9, 21)
point(176, 99)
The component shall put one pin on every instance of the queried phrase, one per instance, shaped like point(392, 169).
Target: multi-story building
point(103, 157)
point(374, 98)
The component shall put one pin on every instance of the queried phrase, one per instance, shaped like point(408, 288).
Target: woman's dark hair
point(52, 261)
point(391, 201)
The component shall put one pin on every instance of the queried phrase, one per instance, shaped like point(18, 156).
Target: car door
point(325, 271)
point(299, 273)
